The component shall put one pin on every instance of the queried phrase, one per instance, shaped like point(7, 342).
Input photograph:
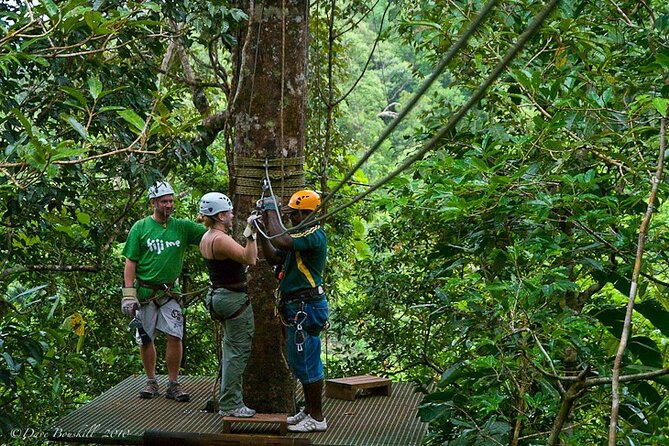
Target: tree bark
point(268, 108)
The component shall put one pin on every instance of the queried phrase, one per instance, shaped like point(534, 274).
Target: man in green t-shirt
point(154, 253)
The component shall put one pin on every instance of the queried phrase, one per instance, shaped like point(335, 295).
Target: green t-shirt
point(303, 267)
point(159, 250)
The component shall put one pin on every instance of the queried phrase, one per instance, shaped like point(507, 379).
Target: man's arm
point(284, 241)
point(273, 255)
point(129, 273)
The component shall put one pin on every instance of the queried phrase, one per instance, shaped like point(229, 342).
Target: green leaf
point(450, 374)
point(107, 108)
point(54, 306)
point(24, 122)
point(653, 310)
point(662, 106)
point(34, 349)
point(83, 218)
point(80, 343)
point(51, 8)
point(55, 385)
point(133, 119)
point(646, 350)
point(93, 19)
point(612, 318)
point(65, 150)
point(619, 282)
point(76, 125)
point(94, 87)
point(10, 362)
point(238, 15)
point(76, 94)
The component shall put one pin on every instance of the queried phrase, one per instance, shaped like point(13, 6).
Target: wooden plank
point(259, 418)
point(347, 387)
point(159, 438)
point(362, 381)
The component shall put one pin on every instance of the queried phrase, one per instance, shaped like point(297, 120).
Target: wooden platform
point(347, 388)
point(118, 416)
point(277, 419)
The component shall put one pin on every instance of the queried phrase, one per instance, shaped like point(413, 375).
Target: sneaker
point(308, 424)
point(176, 392)
point(297, 417)
point(240, 412)
point(150, 390)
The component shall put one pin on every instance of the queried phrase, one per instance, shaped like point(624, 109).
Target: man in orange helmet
point(303, 305)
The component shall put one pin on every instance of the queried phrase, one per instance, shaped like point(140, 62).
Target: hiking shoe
point(297, 417)
point(308, 424)
point(150, 390)
point(176, 392)
point(240, 412)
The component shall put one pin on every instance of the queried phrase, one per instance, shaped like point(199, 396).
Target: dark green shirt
point(303, 267)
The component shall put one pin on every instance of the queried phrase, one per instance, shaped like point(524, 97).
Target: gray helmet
point(159, 189)
point(213, 203)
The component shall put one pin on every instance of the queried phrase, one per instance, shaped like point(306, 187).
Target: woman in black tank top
point(227, 300)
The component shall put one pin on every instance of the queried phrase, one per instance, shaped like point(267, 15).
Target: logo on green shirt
point(159, 246)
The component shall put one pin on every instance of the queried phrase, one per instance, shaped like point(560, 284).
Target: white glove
point(129, 301)
point(251, 229)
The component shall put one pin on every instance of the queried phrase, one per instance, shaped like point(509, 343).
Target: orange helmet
point(304, 199)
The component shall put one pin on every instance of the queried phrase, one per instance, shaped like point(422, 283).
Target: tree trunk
point(268, 105)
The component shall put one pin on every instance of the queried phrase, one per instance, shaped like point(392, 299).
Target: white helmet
point(213, 203)
point(159, 189)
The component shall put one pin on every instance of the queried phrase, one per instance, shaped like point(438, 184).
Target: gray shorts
point(163, 315)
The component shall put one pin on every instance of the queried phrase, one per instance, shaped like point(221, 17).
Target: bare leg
point(148, 354)
point(313, 394)
point(173, 357)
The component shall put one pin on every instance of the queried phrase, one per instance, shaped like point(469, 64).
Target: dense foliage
point(504, 260)
point(492, 273)
point(88, 121)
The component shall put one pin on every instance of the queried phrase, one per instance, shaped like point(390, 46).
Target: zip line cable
point(414, 100)
point(508, 57)
point(462, 40)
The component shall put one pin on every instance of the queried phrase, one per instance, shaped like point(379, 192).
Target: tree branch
point(627, 325)
point(60, 268)
point(573, 393)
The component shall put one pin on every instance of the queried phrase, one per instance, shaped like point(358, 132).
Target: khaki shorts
point(163, 315)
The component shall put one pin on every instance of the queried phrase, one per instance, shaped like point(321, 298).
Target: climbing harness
point(158, 291)
point(214, 315)
point(301, 297)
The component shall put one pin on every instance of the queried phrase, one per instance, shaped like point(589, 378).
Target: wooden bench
point(346, 388)
point(259, 418)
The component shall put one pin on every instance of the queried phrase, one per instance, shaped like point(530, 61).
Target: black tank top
point(224, 272)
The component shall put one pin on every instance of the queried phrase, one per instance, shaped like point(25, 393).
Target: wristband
point(269, 204)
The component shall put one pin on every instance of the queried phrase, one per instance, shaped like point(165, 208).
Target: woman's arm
point(226, 247)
